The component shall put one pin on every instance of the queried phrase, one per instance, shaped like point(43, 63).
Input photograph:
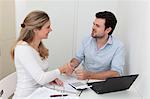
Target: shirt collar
point(110, 41)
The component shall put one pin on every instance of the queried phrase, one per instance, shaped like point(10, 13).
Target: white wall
point(62, 16)
point(86, 15)
point(133, 22)
point(73, 19)
point(7, 36)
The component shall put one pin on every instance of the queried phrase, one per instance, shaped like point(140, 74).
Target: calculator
point(79, 85)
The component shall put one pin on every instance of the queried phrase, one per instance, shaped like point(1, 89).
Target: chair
point(8, 85)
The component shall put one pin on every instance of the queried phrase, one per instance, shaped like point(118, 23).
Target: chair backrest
point(8, 85)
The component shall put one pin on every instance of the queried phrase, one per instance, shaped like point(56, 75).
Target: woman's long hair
point(34, 20)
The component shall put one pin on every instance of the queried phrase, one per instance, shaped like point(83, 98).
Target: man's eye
point(97, 25)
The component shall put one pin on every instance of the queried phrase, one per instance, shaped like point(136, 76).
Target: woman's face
point(44, 31)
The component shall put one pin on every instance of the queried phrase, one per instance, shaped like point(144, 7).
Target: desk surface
point(90, 94)
point(128, 94)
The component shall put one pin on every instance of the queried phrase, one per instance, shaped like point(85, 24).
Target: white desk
point(90, 94)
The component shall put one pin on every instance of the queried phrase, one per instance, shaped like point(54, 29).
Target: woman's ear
point(35, 30)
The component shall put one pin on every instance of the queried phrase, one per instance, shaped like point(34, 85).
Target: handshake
point(69, 68)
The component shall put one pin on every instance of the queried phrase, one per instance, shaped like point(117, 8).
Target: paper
point(47, 90)
point(71, 80)
point(67, 80)
point(44, 93)
point(79, 85)
point(66, 88)
point(94, 80)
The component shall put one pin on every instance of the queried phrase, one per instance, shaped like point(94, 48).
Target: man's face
point(98, 29)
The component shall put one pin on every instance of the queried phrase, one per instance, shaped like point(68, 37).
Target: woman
point(30, 56)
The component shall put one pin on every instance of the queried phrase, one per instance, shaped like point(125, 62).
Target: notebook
point(113, 84)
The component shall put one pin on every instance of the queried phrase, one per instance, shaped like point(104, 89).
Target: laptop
point(113, 84)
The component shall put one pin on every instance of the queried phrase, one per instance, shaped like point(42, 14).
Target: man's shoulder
point(117, 41)
point(86, 39)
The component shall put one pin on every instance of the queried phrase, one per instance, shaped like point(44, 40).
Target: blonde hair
point(34, 20)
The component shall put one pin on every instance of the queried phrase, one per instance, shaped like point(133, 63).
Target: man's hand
point(81, 74)
point(66, 69)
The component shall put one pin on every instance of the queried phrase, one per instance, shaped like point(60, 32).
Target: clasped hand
point(67, 69)
point(79, 73)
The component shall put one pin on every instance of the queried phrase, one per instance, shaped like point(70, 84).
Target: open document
point(58, 92)
point(46, 93)
point(71, 85)
point(79, 85)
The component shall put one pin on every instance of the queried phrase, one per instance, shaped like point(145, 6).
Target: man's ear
point(108, 29)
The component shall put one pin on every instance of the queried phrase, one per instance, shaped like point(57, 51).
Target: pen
point(58, 95)
point(80, 92)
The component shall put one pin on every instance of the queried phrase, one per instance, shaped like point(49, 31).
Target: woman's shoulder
point(21, 45)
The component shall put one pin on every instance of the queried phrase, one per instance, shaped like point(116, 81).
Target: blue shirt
point(110, 57)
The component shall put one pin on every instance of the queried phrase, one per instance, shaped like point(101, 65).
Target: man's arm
point(74, 63)
point(69, 68)
point(81, 74)
point(103, 75)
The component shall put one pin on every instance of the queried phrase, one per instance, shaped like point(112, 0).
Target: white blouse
point(32, 71)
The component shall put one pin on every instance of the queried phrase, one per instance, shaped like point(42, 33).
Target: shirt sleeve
point(80, 52)
point(31, 65)
point(118, 60)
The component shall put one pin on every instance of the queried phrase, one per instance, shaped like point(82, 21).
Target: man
point(101, 53)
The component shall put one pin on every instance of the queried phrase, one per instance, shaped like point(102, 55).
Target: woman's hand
point(57, 82)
